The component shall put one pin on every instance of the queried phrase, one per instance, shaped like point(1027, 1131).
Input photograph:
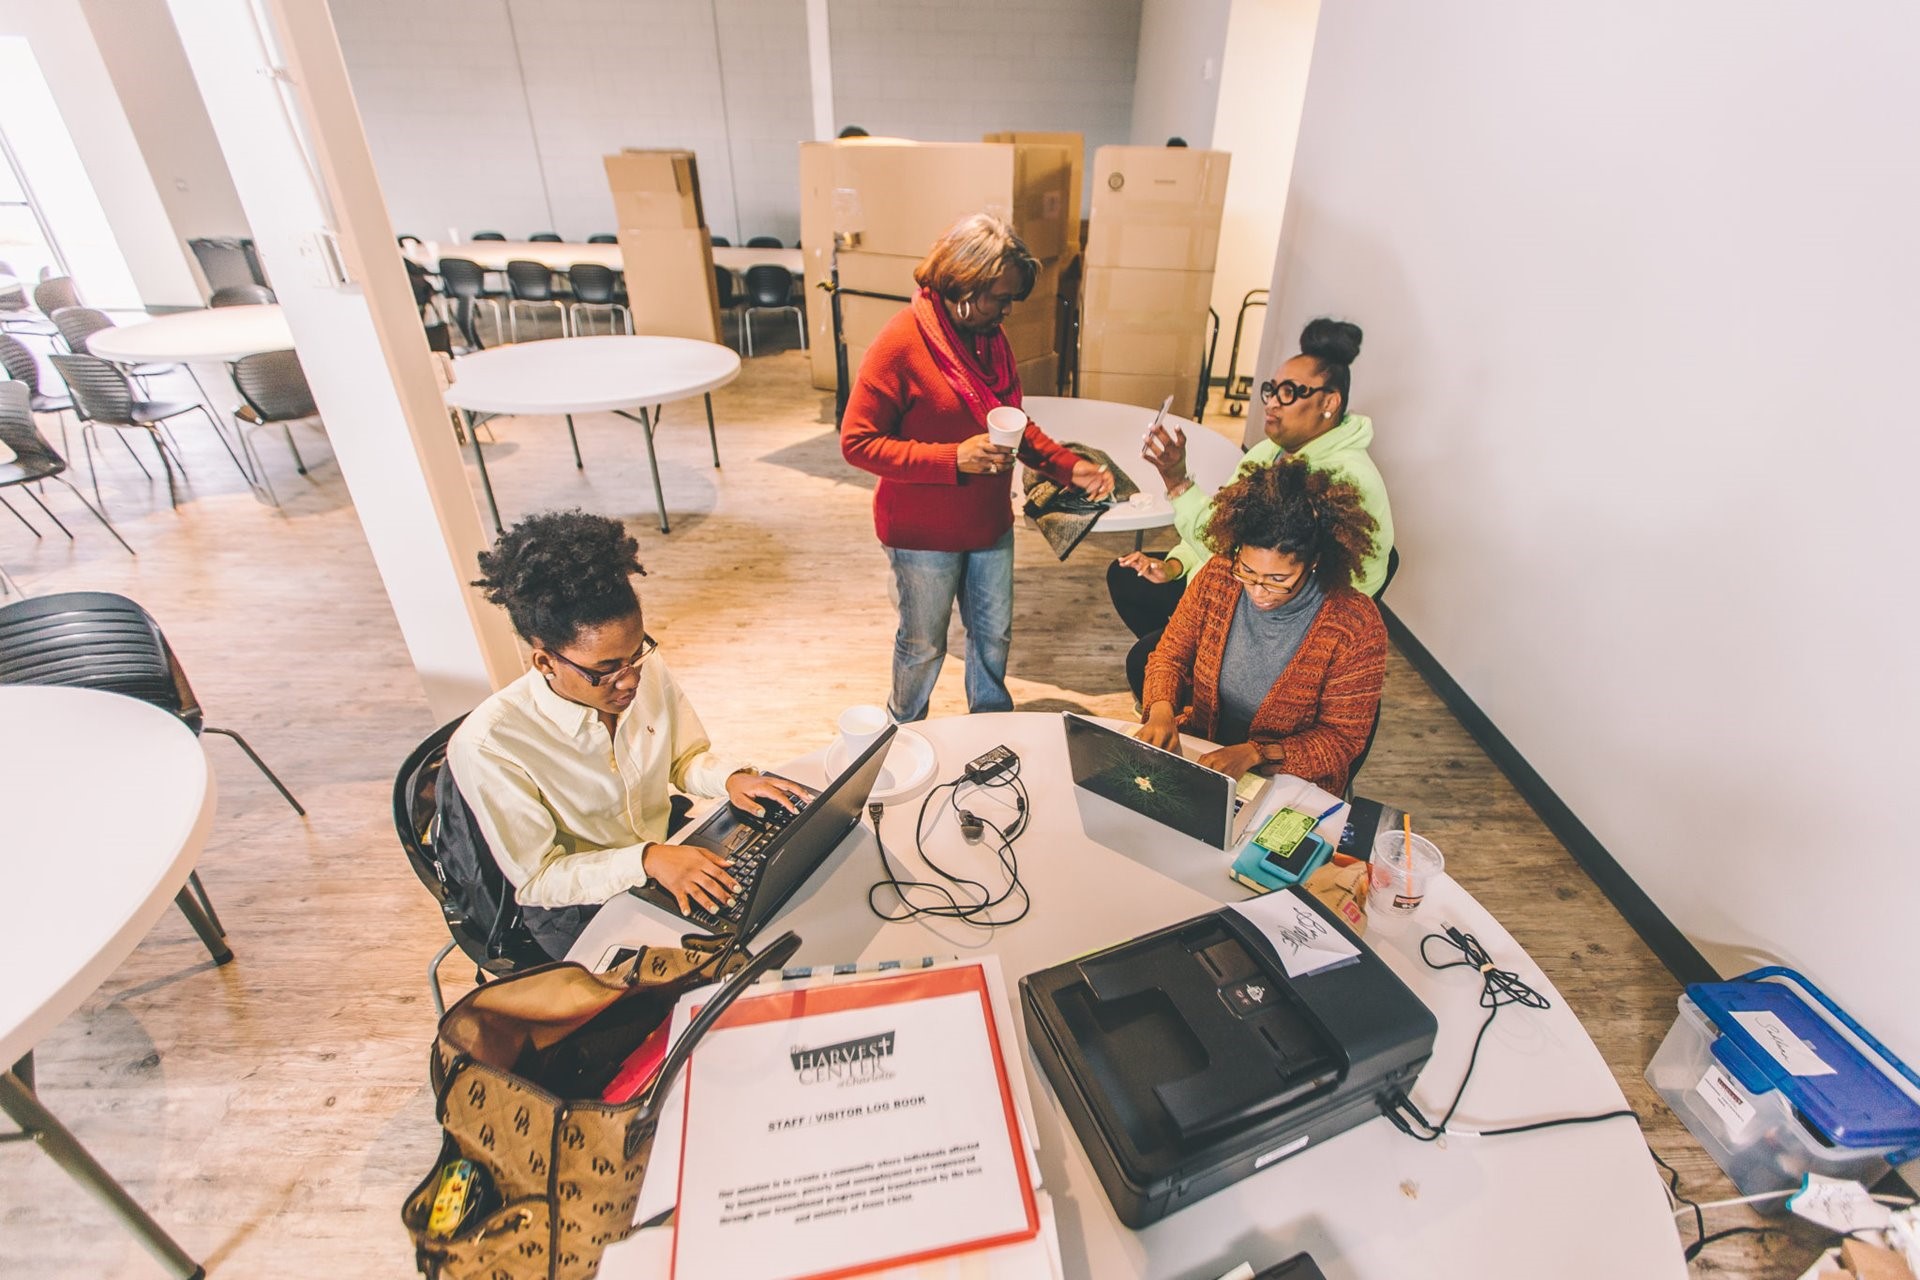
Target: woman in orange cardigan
point(1272, 653)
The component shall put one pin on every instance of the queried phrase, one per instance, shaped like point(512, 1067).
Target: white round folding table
point(115, 802)
point(1369, 1202)
point(1119, 430)
point(217, 335)
point(620, 375)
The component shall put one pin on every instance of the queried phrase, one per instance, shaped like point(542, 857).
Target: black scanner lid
point(1201, 1028)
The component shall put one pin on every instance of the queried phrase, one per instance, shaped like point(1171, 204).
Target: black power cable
point(974, 900)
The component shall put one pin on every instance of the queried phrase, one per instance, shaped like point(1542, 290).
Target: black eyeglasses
point(597, 678)
point(1286, 392)
point(1274, 583)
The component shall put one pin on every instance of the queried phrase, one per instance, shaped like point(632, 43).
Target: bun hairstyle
point(1333, 345)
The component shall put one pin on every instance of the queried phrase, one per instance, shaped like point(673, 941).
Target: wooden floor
point(273, 1113)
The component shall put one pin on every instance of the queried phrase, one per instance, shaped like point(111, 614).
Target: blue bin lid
point(1856, 1104)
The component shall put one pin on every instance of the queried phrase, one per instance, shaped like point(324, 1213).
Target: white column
point(284, 113)
point(820, 69)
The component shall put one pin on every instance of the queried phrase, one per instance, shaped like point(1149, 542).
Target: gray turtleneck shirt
point(1260, 644)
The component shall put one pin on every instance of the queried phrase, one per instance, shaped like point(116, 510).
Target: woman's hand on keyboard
point(695, 877)
point(748, 790)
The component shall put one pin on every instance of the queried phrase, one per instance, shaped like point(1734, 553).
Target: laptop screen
point(805, 844)
point(1170, 789)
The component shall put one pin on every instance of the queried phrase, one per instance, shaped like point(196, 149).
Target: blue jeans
point(925, 585)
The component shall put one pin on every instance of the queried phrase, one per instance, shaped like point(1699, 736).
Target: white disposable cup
point(859, 726)
point(1399, 887)
point(1007, 426)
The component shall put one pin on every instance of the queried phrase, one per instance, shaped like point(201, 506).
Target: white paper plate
point(909, 766)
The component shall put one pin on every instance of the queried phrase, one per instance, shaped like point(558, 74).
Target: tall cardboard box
point(1157, 208)
point(1148, 275)
point(1075, 145)
point(884, 201)
point(664, 244)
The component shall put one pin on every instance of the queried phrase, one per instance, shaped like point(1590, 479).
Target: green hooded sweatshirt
point(1341, 452)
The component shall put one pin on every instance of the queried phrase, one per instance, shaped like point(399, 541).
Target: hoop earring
point(964, 309)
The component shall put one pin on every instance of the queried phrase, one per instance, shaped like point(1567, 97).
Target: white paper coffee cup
point(1007, 426)
point(859, 726)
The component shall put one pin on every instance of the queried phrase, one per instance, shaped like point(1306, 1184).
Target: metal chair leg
point(86, 442)
point(126, 444)
point(22, 519)
point(433, 977)
point(10, 587)
point(259, 464)
point(215, 424)
point(575, 437)
point(259, 764)
point(299, 463)
point(22, 1105)
point(97, 514)
point(800, 324)
point(712, 439)
point(50, 515)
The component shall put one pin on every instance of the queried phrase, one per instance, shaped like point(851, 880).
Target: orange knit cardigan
point(1315, 719)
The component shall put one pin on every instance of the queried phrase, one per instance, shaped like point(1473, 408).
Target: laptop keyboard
point(747, 847)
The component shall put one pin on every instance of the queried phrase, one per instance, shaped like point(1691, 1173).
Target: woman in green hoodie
point(1306, 418)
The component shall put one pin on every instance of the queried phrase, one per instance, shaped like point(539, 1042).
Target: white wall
point(945, 72)
point(142, 53)
point(1176, 76)
point(1638, 288)
point(494, 114)
point(1263, 83)
point(64, 47)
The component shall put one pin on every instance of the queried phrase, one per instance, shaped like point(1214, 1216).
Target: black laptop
point(1162, 785)
point(773, 855)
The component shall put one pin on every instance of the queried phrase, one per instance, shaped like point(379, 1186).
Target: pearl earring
point(1327, 414)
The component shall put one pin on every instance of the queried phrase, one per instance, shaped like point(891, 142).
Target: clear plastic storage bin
point(1777, 1082)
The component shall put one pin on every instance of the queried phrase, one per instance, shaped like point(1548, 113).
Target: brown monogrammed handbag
point(518, 1067)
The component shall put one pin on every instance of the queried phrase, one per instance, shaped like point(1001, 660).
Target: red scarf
point(983, 389)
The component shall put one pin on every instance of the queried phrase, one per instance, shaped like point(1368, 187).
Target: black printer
point(1188, 1059)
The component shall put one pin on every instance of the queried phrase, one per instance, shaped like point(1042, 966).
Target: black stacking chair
point(104, 397)
point(545, 237)
point(770, 288)
point(766, 242)
point(721, 242)
point(530, 284)
point(54, 293)
point(227, 261)
point(23, 367)
point(15, 311)
point(595, 288)
point(488, 235)
point(275, 390)
point(77, 324)
point(415, 821)
point(465, 284)
point(98, 640)
point(603, 238)
point(242, 295)
point(34, 460)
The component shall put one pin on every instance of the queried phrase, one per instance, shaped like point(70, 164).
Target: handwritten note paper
point(1778, 1039)
point(1304, 940)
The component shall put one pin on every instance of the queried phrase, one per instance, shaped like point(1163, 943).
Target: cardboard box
point(1144, 389)
point(898, 198)
point(1076, 148)
point(1040, 376)
point(671, 292)
point(816, 254)
point(1144, 321)
point(1032, 328)
point(1157, 208)
point(655, 189)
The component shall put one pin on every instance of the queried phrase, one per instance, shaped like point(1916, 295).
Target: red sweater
point(1315, 719)
point(904, 423)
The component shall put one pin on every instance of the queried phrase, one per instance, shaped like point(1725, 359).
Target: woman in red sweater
point(917, 418)
point(1271, 652)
